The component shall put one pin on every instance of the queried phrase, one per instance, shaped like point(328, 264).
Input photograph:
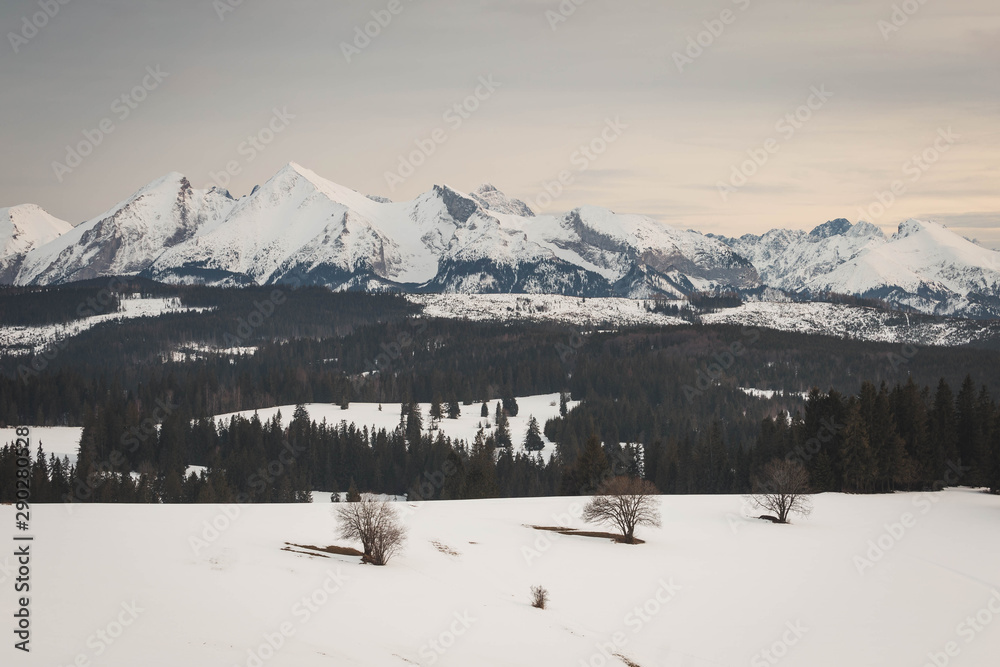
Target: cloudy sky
point(726, 116)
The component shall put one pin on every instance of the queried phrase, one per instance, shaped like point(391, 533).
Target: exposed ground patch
point(587, 533)
point(320, 552)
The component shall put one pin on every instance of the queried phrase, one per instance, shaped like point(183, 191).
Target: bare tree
point(625, 502)
point(375, 523)
point(782, 489)
point(539, 597)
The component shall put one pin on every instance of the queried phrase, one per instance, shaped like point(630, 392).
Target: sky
point(724, 116)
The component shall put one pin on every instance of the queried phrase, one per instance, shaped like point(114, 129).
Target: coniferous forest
point(862, 417)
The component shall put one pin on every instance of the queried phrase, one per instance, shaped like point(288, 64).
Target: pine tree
point(454, 411)
point(40, 478)
point(592, 468)
point(436, 413)
point(481, 478)
point(502, 434)
point(485, 412)
point(353, 496)
point(856, 454)
point(533, 439)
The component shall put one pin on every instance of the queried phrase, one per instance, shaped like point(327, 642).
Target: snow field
point(542, 407)
point(708, 588)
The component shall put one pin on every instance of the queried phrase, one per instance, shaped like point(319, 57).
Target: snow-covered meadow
point(386, 416)
point(889, 580)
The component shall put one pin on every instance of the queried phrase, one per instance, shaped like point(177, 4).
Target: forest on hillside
point(877, 417)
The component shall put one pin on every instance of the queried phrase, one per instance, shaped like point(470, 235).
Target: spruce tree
point(533, 439)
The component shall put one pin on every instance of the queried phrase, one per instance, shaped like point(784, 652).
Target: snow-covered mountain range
point(300, 227)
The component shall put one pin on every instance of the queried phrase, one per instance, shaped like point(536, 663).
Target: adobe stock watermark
point(303, 611)
point(258, 481)
point(82, 490)
point(786, 127)
point(561, 14)
point(98, 304)
point(634, 622)
point(971, 627)
point(907, 352)
point(894, 532)
point(223, 7)
point(101, 640)
point(802, 454)
point(773, 654)
point(31, 25)
point(582, 159)
point(252, 146)
point(121, 108)
point(262, 311)
point(698, 43)
point(716, 368)
point(454, 117)
point(432, 650)
point(914, 169)
point(369, 31)
point(901, 15)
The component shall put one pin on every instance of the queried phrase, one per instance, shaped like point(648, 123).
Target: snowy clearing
point(59, 440)
point(542, 408)
point(541, 308)
point(22, 340)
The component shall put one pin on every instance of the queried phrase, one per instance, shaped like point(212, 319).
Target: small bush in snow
point(539, 597)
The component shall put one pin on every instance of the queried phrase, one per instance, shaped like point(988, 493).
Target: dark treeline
point(248, 460)
point(674, 391)
point(40, 306)
point(881, 440)
point(419, 359)
point(884, 439)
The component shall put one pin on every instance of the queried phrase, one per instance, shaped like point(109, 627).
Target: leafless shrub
point(539, 597)
point(375, 523)
point(625, 502)
point(781, 489)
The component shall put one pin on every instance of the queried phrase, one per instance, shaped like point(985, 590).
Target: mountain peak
point(489, 197)
point(866, 230)
point(914, 226)
point(837, 227)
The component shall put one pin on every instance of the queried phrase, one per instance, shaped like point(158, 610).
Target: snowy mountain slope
point(923, 266)
point(789, 259)
point(294, 211)
point(126, 239)
point(22, 229)
point(167, 585)
point(299, 226)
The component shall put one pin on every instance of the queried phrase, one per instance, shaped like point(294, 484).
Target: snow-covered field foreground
point(906, 579)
